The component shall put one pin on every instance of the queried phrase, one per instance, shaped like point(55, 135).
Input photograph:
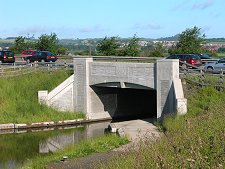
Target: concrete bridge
point(115, 90)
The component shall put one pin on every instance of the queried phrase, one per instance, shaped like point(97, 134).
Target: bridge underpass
point(112, 90)
point(126, 103)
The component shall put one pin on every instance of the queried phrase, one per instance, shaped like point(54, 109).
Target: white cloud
point(203, 5)
point(189, 5)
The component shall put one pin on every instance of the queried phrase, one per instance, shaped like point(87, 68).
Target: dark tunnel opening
point(128, 103)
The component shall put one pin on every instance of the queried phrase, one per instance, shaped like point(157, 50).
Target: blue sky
point(100, 18)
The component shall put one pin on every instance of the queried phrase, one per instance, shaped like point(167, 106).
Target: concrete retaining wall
point(61, 98)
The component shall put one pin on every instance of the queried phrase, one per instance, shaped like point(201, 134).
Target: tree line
point(189, 41)
point(44, 42)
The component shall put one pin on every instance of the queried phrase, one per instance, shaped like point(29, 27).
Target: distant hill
point(172, 38)
point(215, 40)
point(9, 38)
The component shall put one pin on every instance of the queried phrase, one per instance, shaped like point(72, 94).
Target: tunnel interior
point(127, 103)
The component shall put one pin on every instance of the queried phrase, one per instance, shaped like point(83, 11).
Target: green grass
point(19, 102)
point(221, 55)
point(96, 145)
point(195, 140)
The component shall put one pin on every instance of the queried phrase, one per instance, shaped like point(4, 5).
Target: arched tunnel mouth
point(127, 103)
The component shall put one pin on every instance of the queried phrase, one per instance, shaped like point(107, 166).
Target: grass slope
point(19, 102)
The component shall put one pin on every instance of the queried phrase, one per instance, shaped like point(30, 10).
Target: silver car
point(216, 66)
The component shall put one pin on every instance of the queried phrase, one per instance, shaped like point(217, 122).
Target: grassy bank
point(19, 102)
point(96, 145)
point(195, 140)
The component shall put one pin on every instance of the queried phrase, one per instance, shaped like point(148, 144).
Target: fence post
point(221, 80)
point(202, 78)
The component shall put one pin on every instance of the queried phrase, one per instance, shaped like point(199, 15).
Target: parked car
point(204, 56)
point(27, 53)
point(216, 66)
point(42, 56)
point(7, 56)
point(192, 59)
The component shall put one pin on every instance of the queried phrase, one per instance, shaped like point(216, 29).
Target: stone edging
point(47, 124)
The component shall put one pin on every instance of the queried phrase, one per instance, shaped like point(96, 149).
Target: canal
point(20, 146)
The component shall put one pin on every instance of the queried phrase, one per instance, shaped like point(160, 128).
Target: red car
point(41, 56)
point(27, 53)
point(192, 59)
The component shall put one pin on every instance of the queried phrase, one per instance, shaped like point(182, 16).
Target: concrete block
point(42, 124)
point(20, 126)
point(42, 96)
point(6, 126)
point(112, 128)
point(181, 106)
point(70, 121)
point(121, 132)
point(80, 120)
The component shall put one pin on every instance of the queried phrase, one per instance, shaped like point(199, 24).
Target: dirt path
point(88, 162)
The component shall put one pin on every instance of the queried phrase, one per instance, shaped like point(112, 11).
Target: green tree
point(48, 42)
point(189, 41)
point(221, 50)
point(108, 46)
point(20, 44)
point(157, 51)
point(133, 48)
point(61, 50)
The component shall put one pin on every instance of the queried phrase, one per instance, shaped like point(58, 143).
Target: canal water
point(21, 146)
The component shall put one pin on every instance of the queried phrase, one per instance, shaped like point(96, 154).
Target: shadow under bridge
point(125, 101)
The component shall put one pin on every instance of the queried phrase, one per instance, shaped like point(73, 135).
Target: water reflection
point(17, 148)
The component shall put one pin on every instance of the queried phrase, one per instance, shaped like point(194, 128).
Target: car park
point(216, 66)
point(42, 56)
point(7, 56)
point(191, 59)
